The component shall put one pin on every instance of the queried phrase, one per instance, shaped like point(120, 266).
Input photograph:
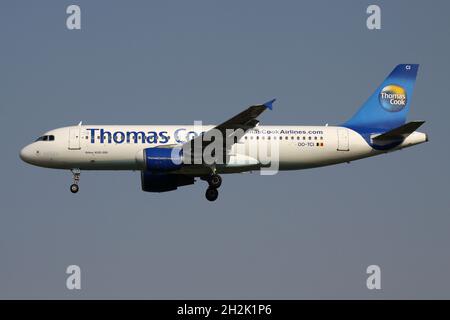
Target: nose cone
point(26, 154)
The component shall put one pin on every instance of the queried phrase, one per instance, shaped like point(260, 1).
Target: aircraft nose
point(26, 154)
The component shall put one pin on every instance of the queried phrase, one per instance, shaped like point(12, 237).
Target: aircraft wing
point(245, 120)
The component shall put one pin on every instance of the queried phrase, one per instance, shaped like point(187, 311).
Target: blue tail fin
point(388, 106)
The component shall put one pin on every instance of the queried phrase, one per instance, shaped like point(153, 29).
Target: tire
point(211, 194)
point(215, 181)
point(74, 188)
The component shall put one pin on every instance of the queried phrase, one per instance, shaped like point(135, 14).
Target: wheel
point(211, 194)
point(74, 188)
point(215, 181)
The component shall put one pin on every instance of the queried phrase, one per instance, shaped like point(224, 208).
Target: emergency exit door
point(343, 144)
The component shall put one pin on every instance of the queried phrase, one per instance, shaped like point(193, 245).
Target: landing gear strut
point(214, 182)
point(76, 178)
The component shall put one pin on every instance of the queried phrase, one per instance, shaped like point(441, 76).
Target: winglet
point(269, 104)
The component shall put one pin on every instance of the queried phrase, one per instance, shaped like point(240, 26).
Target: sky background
point(296, 235)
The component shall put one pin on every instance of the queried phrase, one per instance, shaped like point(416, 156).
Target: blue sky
point(300, 234)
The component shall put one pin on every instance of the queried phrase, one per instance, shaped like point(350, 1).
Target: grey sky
point(301, 234)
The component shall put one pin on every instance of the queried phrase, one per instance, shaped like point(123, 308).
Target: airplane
point(171, 156)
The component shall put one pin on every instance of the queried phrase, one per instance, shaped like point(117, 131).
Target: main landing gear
point(214, 182)
point(76, 178)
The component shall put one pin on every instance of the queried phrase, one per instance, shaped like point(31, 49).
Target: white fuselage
point(121, 147)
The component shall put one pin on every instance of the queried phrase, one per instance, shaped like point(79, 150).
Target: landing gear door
point(74, 138)
point(343, 144)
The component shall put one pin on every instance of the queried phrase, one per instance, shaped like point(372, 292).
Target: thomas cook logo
point(393, 98)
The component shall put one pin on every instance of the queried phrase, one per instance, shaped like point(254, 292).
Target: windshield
point(46, 138)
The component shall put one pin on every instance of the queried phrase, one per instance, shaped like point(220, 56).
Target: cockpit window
point(46, 138)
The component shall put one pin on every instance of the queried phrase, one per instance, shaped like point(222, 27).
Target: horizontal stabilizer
point(398, 133)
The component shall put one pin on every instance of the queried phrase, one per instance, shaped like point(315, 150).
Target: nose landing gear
point(214, 182)
point(76, 178)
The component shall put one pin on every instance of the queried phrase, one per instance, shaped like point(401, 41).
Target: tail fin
point(388, 106)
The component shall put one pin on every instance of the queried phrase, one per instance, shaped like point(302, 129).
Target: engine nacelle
point(160, 182)
point(161, 159)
